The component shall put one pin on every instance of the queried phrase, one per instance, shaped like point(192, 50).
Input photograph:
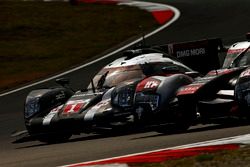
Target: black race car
point(149, 87)
point(136, 89)
point(222, 95)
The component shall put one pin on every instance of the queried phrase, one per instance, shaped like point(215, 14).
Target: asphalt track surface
point(228, 19)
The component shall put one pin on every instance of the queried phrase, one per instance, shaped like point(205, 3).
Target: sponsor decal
point(60, 96)
point(151, 84)
point(47, 119)
point(245, 73)
point(191, 52)
point(74, 106)
point(190, 89)
point(148, 84)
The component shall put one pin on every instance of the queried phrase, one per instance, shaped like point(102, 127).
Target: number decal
point(73, 106)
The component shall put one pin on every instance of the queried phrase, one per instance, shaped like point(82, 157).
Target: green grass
point(38, 39)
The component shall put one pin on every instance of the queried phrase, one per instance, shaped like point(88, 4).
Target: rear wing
point(201, 55)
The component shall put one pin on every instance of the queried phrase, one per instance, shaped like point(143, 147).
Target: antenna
point(143, 37)
point(92, 85)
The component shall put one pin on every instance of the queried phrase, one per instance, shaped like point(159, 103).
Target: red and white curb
point(230, 143)
point(165, 25)
point(160, 12)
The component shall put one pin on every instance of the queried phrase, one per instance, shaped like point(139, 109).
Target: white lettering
point(245, 73)
point(184, 53)
point(151, 84)
point(196, 52)
point(191, 52)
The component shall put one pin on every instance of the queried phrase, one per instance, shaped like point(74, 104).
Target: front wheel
point(181, 123)
point(242, 95)
point(54, 138)
point(174, 128)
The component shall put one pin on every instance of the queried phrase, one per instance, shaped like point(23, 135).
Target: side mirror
point(62, 81)
point(193, 74)
point(248, 36)
point(170, 69)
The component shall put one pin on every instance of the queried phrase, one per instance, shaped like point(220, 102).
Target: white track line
point(176, 16)
point(241, 139)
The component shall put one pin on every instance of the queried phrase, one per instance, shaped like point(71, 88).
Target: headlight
point(147, 100)
point(124, 98)
point(32, 106)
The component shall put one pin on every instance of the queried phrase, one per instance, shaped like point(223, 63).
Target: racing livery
point(147, 87)
point(138, 88)
point(224, 94)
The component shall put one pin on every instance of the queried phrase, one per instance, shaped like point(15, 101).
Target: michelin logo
point(192, 52)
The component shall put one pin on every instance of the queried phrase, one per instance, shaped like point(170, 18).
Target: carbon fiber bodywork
point(147, 87)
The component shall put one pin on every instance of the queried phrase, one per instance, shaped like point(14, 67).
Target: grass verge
point(38, 39)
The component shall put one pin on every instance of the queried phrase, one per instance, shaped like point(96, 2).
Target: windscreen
point(113, 76)
point(237, 58)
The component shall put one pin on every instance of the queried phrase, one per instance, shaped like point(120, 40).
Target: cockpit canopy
point(136, 68)
point(238, 55)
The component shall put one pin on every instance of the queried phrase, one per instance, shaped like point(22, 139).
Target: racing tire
point(50, 138)
point(177, 127)
point(54, 138)
point(242, 94)
point(181, 123)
